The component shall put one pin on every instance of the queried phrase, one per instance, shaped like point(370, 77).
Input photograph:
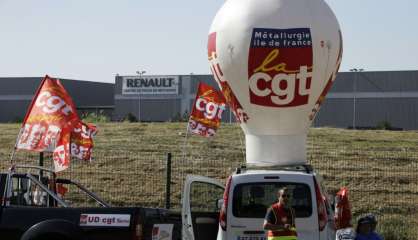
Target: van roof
point(303, 168)
point(274, 172)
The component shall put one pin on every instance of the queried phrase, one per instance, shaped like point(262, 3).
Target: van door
point(200, 211)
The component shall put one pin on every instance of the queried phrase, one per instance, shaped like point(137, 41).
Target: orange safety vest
point(280, 213)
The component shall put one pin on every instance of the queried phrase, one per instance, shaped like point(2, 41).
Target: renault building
point(357, 99)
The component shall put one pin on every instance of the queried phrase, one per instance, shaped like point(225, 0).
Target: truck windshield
point(251, 200)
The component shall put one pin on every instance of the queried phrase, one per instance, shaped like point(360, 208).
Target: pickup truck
point(33, 207)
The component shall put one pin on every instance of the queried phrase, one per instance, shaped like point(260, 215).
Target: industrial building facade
point(367, 99)
point(359, 99)
point(16, 95)
point(171, 104)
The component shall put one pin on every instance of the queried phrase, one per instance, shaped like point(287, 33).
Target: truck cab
point(249, 192)
point(39, 187)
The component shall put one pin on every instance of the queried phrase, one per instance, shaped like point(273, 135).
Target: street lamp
point(140, 73)
point(356, 70)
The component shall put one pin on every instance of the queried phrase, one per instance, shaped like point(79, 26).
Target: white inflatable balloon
point(275, 60)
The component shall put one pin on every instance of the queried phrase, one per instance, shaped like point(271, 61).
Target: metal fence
point(381, 181)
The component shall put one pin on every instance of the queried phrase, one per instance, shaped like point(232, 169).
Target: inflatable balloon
point(275, 61)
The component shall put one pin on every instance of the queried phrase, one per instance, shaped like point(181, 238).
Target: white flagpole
point(188, 124)
point(15, 147)
point(12, 155)
point(185, 139)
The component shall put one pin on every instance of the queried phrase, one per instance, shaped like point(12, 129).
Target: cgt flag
point(82, 140)
point(205, 117)
point(52, 125)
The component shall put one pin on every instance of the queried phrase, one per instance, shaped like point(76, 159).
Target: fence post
point(41, 164)
point(168, 181)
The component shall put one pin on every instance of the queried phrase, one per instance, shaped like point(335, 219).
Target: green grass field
point(380, 168)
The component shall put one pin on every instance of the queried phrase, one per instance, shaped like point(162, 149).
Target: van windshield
point(251, 200)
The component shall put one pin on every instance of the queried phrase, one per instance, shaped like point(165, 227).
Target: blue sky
point(95, 39)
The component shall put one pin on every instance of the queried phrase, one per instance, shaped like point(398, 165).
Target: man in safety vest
point(280, 218)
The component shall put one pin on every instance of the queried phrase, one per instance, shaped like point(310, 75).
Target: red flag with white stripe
point(206, 114)
point(51, 125)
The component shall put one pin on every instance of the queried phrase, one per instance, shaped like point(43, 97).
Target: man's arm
point(275, 227)
point(269, 222)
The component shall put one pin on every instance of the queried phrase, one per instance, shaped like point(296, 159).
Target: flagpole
point(15, 146)
point(185, 139)
point(12, 155)
point(188, 123)
point(240, 139)
point(238, 123)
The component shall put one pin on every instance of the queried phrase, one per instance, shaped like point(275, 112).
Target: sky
point(94, 40)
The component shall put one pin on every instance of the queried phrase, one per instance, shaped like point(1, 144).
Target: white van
point(250, 192)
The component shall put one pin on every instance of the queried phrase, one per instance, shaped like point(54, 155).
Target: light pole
point(140, 73)
point(356, 70)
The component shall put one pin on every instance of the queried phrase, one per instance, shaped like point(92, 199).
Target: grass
point(379, 167)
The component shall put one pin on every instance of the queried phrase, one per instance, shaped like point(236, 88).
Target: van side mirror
point(220, 202)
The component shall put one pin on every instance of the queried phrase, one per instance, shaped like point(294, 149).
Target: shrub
point(130, 118)
point(17, 120)
point(384, 125)
point(180, 117)
point(93, 117)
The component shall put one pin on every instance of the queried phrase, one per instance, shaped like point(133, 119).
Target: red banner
point(82, 140)
point(52, 124)
point(207, 111)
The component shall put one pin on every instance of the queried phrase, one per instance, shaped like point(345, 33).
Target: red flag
point(50, 123)
point(82, 140)
point(205, 117)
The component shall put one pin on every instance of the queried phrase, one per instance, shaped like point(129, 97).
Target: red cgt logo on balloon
point(280, 67)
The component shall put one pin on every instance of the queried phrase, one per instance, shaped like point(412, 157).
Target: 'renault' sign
point(150, 85)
